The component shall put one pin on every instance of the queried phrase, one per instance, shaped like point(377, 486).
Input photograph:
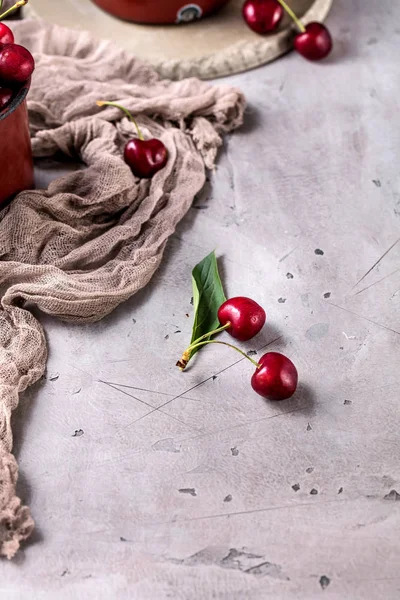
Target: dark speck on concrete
point(54, 376)
point(228, 498)
point(166, 337)
point(309, 427)
point(281, 300)
point(251, 352)
point(314, 492)
point(201, 206)
point(214, 377)
point(310, 470)
point(234, 451)
point(377, 182)
point(289, 275)
point(319, 252)
point(190, 491)
point(122, 539)
point(178, 331)
point(327, 295)
point(77, 391)
point(341, 347)
point(392, 495)
point(296, 487)
point(324, 581)
point(134, 321)
point(191, 300)
point(347, 402)
point(340, 490)
point(65, 572)
point(78, 433)
point(187, 315)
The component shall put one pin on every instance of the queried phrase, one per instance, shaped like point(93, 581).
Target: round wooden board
point(214, 47)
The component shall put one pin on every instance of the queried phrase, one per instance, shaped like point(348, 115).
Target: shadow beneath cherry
point(302, 403)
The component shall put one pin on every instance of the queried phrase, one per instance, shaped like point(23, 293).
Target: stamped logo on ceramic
point(189, 12)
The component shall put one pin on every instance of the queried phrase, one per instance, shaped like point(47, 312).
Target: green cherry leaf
point(208, 295)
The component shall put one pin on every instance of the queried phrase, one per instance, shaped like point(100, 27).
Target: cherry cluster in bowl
point(16, 64)
point(313, 41)
point(275, 377)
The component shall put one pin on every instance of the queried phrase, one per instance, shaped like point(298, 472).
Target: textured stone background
point(219, 494)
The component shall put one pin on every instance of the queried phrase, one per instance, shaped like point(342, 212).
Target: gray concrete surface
point(220, 494)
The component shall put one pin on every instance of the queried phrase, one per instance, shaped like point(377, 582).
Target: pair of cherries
point(313, 41)
point(275, 377)
point(16, 62)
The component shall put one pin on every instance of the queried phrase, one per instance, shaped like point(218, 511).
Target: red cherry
point(145, 157)
point(16, 63)
point(276, 378)
point(315, 42)
point(6, 35)
point(5, 97)
point(262, 16)
point(245, 316)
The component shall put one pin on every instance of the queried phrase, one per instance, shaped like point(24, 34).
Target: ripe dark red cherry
point(262, 16)
point(276, 377)
point(16, 64)
point(245, 316)
point(315, 42)
point(6, 35)
point(145, 157)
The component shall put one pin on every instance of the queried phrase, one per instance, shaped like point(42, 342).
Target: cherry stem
point(126, 111)
point(229, 346)
point(16, 6)
point(292, 15)
point(209, 334)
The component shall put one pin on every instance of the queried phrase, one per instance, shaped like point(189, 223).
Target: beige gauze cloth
point(96, 236)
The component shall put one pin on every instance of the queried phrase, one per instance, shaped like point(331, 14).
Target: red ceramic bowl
point(160, 11)
point(16, 165)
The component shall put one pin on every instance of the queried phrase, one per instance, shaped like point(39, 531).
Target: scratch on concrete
point(194, 387)
point(288, 254)
point(376, 282)
point(376, 263)
point(352, 312)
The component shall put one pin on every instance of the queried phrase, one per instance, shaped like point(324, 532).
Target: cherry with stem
point(145, 157)
point(275, 377)
point(314, 41)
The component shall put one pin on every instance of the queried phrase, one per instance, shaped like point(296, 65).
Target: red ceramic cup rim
point(17, 100)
